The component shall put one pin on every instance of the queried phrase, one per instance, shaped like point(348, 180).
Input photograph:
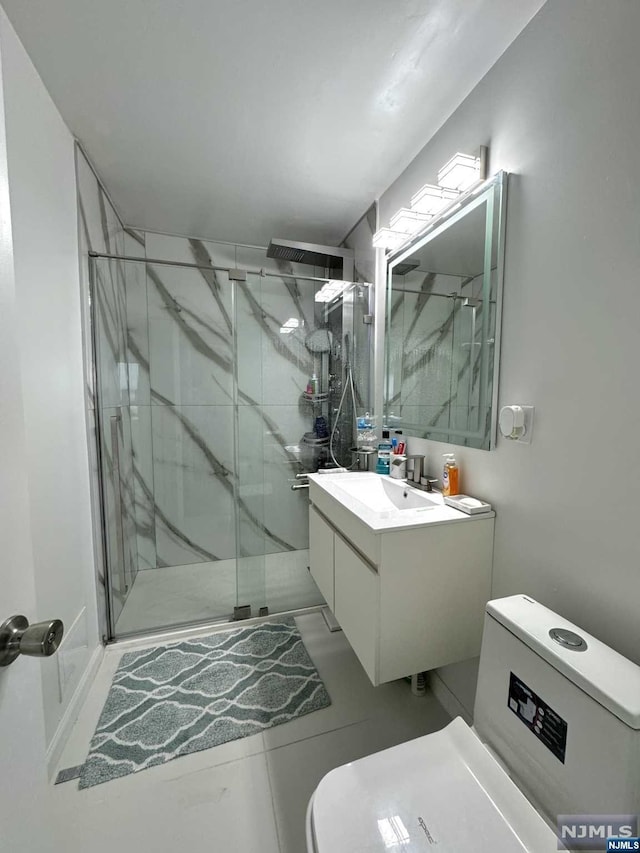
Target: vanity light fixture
point(457, 177)
point(431, 199)
point(331, 289)
point(408, 220)
point(387, 238)
point(460, 173)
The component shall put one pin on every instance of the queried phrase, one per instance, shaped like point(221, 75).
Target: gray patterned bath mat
point(180, 698)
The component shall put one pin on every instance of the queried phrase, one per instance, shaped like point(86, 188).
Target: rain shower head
point(327, 257)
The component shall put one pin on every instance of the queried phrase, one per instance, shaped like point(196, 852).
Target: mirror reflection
point(443, 319)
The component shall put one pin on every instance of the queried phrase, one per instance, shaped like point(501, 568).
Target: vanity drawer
point(321, 539)
point(356, 604)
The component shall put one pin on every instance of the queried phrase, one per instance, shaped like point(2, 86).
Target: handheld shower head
point(321, 340)
point(347, 350)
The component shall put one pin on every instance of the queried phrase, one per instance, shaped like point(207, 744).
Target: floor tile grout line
point(316, 735)
point(265, 750)
point(273, 802)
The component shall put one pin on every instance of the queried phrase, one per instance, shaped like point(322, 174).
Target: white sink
point(382, 495)
point(381, 503)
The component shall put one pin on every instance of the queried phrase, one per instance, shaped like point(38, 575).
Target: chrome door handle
point(39, 640)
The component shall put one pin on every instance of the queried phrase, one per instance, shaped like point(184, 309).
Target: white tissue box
point(467, 504)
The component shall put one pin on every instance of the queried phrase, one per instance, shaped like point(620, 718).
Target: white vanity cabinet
point(321, 556)
point(409, 598)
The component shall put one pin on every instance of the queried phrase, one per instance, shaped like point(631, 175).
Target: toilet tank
point(564, 719)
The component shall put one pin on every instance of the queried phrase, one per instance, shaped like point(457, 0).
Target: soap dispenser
point(450, 476)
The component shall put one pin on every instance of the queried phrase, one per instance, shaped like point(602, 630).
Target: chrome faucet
point(418, 478)
point(417, 471)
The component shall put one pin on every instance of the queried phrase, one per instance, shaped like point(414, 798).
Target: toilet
point(556, 732)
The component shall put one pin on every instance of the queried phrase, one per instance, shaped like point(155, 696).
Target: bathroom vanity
point(406, 576)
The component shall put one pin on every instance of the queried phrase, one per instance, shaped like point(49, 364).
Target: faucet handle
point(428, 483)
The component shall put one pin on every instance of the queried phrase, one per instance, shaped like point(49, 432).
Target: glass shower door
point(166, 384)
point(206, 415)
point(274, 319)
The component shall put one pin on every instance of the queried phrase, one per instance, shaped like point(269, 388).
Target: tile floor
point(177, 594)
point(248, 795)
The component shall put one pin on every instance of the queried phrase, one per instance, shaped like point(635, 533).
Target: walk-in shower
point(215, 387)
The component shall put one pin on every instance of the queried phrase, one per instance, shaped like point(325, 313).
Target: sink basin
point(383, 496)
point(380, 503)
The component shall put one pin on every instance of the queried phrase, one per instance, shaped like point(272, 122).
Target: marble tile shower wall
point(200, 465)
point(177, 385)
point(101, 230)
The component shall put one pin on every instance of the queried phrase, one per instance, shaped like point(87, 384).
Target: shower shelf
point(312, 439)
point(315, 398)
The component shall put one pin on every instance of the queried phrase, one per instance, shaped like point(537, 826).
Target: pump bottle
point(450, 476)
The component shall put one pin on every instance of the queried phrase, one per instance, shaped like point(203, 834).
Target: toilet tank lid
point(606, 676)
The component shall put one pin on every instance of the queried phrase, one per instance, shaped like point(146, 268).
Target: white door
point(24, 811)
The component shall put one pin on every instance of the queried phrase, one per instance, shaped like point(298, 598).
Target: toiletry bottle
point(450, 476)
point(366, 436)
point(384, 454)
point(315, 385)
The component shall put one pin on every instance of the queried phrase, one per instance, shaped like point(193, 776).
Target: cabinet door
point(356, 600)
point(321, 538)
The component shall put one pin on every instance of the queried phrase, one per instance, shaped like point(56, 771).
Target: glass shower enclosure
point(215, 388)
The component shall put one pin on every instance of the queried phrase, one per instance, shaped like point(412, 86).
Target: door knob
point(39, 640)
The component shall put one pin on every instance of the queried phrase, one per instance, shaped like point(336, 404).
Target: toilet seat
point(444, 787)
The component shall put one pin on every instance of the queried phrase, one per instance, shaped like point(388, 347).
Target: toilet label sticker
point(538, 717)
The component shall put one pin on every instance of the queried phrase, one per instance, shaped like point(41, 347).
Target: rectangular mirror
point(444, 300)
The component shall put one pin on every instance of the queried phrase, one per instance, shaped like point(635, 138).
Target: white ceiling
point(244, 120)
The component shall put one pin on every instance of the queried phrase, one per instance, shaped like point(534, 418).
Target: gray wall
point(560, 110)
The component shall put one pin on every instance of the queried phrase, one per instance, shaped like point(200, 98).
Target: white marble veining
point(99, 229)
point(190, 336)
point(193, 483)
point(143, 481)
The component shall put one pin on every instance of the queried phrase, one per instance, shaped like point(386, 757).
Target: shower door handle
point(117, 495)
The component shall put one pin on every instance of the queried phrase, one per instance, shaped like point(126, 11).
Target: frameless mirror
point(444, 295)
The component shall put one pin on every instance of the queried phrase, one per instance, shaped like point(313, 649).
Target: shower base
point(174, 595)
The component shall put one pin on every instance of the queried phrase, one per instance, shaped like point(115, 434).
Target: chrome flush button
point(568, 639)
